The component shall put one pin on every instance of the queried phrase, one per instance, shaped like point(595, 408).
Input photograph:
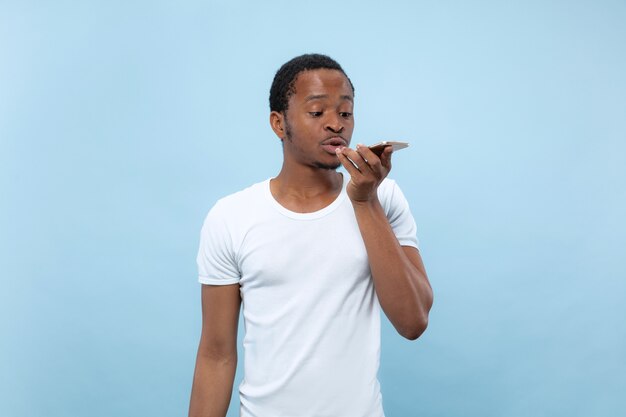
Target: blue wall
point(122, 122)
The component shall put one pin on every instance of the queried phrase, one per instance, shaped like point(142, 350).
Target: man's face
point(319, 118)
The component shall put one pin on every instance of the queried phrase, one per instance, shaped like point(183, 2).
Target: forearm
point(212, 385)
point(401, 286)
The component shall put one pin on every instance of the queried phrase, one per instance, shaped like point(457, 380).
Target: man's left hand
point(367, 171)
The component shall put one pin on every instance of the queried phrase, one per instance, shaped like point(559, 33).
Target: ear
point(277, 122)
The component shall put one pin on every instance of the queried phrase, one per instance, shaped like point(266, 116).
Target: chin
point(332, 166)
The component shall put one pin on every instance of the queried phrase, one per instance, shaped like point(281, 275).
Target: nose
point(334, 123)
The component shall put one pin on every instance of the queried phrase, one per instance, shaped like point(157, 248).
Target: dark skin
point(322, 108)
point(316, 131)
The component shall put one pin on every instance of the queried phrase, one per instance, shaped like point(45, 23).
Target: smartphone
point(379, 147)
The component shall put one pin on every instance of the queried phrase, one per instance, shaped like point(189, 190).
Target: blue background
point(121, 123)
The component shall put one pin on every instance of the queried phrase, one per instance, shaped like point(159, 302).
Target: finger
point(370, 157)
point(347, 163)
point(385, 158)
point(358, 160)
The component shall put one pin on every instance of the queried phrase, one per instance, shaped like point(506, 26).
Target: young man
point(313, 255)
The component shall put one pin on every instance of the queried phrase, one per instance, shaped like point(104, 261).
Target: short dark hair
point(285, 78)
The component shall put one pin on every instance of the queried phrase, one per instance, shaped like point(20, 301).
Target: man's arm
point(400, 280)
point(398, 272)
point(217, 354)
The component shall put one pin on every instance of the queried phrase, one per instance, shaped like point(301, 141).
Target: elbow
point(217, 351)
point(417, 324)
point(414, 330)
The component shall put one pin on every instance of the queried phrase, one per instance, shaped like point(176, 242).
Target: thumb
point(385, 157)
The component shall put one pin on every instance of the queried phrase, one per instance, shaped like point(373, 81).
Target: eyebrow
point(319, 96)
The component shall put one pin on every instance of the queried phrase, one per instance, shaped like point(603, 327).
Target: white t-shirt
point(311, 315)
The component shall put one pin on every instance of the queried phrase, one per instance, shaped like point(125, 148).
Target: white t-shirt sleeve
point(217, 264)
point(400, 217)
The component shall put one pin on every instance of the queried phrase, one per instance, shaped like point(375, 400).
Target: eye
point(345, 114)
point(315, 113)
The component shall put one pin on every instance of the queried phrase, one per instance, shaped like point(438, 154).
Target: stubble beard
point(316, 164)
point(329, 167)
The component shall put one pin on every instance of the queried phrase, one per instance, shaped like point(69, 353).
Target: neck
point(307, 182)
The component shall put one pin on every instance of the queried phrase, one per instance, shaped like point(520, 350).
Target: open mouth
point(332, 144)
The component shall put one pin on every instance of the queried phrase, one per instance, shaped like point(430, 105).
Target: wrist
point(371, 204)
